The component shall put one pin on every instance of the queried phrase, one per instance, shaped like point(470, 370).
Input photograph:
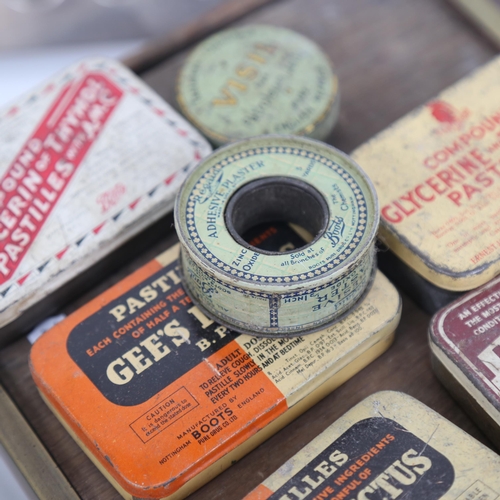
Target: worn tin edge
point(331, 110)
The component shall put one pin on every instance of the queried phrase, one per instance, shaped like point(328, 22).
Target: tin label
point(388, 446)
point(172, 391)
point(468, 331)
point(437, 177)
point(72, 187)
point(257, 80)
point(343, 190)
point(35, 180)
point(388, 461)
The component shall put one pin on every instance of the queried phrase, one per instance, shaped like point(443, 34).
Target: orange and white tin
point(87, 160)
point(162, 399)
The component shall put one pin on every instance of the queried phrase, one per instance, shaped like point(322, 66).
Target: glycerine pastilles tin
point(438, 181)
point(388, 446)
point(465, 346)
point(87, 160)
point(162, 399)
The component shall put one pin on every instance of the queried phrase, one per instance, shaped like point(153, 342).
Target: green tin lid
point(256, 80)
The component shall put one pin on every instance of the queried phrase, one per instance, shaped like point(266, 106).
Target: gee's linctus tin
point(162, 398)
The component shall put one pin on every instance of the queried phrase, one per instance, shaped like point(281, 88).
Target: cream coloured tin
point(388, 446)
point(436, 175)
point(162, 399)
point(87, 160)
point(289, 179)
point(258, 79)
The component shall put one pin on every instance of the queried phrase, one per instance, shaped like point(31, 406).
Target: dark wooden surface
point(391, 56)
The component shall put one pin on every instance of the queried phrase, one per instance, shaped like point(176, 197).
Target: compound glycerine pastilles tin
point(162, 398)
point(438, 181)
point(258, 79)
point(465, 346)
point(390, 446)
point(87, 160)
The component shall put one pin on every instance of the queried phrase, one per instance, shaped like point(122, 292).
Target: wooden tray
point(391, 56)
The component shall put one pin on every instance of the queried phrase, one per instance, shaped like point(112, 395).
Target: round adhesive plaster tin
point(258, 79)
point(277, 178)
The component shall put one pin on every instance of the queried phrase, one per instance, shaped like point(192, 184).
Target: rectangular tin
point(465, 340)
point(436, 175)
point(87, 160)
point(162, 399)
point(388, 446)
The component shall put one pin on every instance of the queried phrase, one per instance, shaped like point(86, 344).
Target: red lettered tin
point(87, 160)
point(465, 346)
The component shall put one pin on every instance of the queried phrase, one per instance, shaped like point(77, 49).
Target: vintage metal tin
point(464, 340)
point(288, 179)
point(88, 160)
point(436, 175)
point(388, 446)
point(162, 399)
point(254, 80)
point(428, 296)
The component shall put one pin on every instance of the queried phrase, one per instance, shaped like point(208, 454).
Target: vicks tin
point(258, 79)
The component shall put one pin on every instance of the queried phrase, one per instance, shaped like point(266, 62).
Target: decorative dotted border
point(127, 84)
point(364, 265)
point(269, 295)
point(297, 278)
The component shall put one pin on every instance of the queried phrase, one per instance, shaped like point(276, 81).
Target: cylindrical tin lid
point(267, 179)
point(258, 79)
point(388, 446)
point(437, 178)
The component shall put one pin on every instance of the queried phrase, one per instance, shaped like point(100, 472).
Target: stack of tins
point(175, 396)
point(437, 177)
point(73, 189)
point(388, 446)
